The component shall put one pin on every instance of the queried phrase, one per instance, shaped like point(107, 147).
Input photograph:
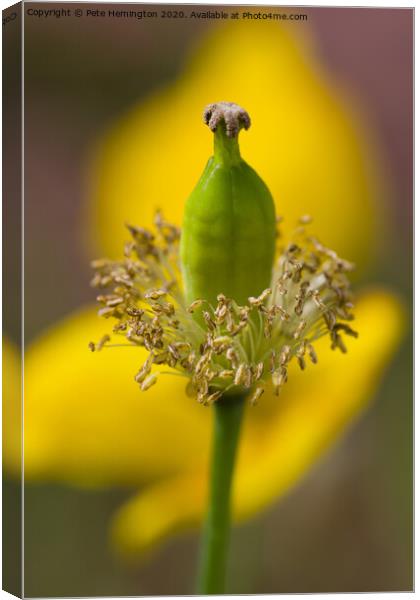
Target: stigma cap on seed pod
point(233, 115)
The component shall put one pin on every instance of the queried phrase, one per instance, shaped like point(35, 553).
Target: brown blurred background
point(348, 525)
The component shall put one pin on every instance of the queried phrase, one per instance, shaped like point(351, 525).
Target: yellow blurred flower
point(85, 421)
point(315, 155)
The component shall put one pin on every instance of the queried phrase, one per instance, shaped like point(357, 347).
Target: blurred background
point(352, 514)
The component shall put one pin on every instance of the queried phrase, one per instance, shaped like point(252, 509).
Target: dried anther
point(225, 347)
point(102, 342)
point(259, 391)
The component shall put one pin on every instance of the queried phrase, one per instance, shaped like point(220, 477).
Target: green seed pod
point(228, 233)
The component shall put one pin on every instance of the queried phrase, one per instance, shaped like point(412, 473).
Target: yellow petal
point(318, 404)
point(160, 511)
point(12, 406)
point(86, 420)
point(313, 409)
point(306, 142)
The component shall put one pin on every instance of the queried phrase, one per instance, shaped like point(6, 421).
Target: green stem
point(226, 149)
point(228, 413)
